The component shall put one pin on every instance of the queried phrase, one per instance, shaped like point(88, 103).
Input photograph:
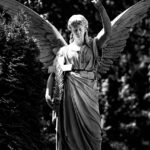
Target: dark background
point(25, 118)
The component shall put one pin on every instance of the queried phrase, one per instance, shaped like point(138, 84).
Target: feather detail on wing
point(121, 26)
point(47, 36)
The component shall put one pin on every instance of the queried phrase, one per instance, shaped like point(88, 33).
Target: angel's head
point(78, 25)
point(76, 20)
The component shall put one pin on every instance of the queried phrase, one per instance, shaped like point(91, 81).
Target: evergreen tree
point(21, 86)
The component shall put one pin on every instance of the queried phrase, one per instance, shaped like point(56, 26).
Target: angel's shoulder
point(62, 50)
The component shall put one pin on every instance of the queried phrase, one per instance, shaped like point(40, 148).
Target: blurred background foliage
point(25, 118)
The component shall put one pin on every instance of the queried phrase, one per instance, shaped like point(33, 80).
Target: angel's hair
point(76, 20)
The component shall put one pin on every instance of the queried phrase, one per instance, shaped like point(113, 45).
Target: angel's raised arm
point(101, 38)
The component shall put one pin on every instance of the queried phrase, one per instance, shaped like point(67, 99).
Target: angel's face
point(78, 33)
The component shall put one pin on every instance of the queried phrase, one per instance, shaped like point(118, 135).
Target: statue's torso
point(81, 58)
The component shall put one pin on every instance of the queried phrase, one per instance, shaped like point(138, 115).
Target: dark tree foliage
point(21, 86)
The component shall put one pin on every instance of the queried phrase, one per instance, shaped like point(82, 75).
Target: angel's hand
point(97, 4)
point(49, 100)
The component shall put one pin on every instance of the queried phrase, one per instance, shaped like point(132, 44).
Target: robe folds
point(79, 120)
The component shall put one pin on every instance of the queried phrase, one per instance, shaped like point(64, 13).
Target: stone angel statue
point(74, 68)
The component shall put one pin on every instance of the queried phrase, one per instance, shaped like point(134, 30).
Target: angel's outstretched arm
point(102, 38)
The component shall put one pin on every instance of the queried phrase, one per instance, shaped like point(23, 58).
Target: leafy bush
point(21, 86)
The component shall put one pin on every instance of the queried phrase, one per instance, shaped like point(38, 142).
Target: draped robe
point(79, 120)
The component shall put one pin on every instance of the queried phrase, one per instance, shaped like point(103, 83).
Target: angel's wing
point(47, 36)
point(121, 26)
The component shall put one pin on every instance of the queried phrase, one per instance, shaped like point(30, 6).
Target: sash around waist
point(85, 73)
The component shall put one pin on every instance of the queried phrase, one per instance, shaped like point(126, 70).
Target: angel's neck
point(78, 43)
